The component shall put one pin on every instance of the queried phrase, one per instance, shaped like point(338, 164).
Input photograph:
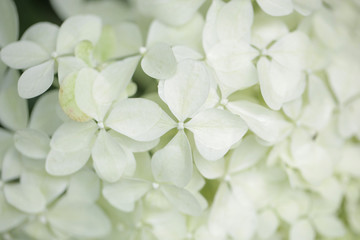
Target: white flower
point(41, 45)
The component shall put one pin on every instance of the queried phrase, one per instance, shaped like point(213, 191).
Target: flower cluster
point(181, 119)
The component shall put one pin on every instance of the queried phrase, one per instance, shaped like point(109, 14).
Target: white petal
point(84, 186)
point(76, 29)
point(26, 197)
point(11, 165)
point(349, 117)
point(302, 230)
point(182, 53)
point(42, 33)
point(9, 23)
point(234, 20)
point(23, 54)
point(133, 145)
point(67, 65)
point(232, 214)
point(10, 217)
point(109, 157)
point(349, 162)
point(279, 84)
point(182, 199)
point(115, 78)
point(79, 220)
point(293, 108)
point(60, 163)
point(124, 194)
point(173, 163)
point(229, 82)
point(67, 101)
point(313, 161)
point(306, 7)
point(247, 154)
point(344, 67)
point(187, 90)
point(159, 61)
point(216, 129)
point(172, 12)
point(268, 223)
point(318, 112)
point(209, 33)
point(188, 35)
point(266, 124)
point(209, 169)
point(36, 80)
point(290, 50)
point(43, 115)
point(6, 140)
point(267, 30)
point(230, 55)
point(13, 109)
point(51, 187)
point(73, 136)
point(329, 226)
point(129, 39)
point(140, 119)
point(84, 93)
point(276, 7)
point(32, 143)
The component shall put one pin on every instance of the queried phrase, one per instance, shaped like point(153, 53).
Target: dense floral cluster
point(182, 119)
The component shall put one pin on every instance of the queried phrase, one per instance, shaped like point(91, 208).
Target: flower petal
point(124, 193)
point(290, 50)
point(173, 163)
point(36, 80)
point(129, 39)
point(60, 163)
point(84, 186)
point(44, 34)
point(84, 93)
point(23, 54)
point(247, 154)
point(182, 199)
point(32, 143)
point(13, 109)
point(276, 7)
point(172, 12)
point(318, 112)
point(209, 169)
point(279, 84)
point(73, 136)
point(159, 61)
point(26, 197)
point(266, 124)
point(302, 230)
point(11, 165)
point(9, 23)
point(76, 29)
point(140, 119)
point(43, 115)
point(188, 34)
point(10, 217)
point(115, 78)
point(187, 90)
point(231, 55)
point(329, 226)
point(79, 219)
point(268, 223)
point(109, 158)
point(234, 20)
point(216, 129)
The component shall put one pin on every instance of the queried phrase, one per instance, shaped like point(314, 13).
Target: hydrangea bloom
point(181, 119)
